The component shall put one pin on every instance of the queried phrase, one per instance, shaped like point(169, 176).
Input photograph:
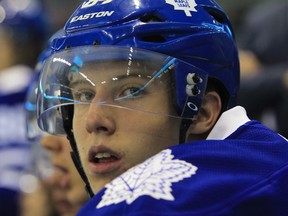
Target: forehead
point(116, 70)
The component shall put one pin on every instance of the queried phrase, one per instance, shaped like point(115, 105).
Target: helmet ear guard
point(190, 89)
point(194, 90)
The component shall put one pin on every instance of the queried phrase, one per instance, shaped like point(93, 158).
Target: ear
point(208, 115)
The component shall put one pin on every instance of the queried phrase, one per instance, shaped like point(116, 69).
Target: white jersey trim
point(228, 123)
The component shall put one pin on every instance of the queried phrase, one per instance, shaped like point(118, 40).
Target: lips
point(103, 160)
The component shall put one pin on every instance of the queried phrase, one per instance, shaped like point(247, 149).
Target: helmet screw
point(195, 90)
point(193, 79)
point(192, 90)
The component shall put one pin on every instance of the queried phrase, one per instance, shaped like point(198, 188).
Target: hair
point(215, 85)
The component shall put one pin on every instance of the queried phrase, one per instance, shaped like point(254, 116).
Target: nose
point(99, 119)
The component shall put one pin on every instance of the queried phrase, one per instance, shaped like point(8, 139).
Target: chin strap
point(76, 160)
point(185, 123)
point(82, 174)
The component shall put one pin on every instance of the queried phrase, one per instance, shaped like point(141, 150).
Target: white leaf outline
point(154, 178)
point(177, 6)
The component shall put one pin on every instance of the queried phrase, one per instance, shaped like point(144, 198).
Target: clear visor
point(33, 131)
point(41, 164)
point(118, 77)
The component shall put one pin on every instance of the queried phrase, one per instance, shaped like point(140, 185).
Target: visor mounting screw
point(193, 79)
point(191, 87)
point(195, 90)
point(192, 90)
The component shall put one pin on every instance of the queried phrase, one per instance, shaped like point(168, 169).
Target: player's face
point(67, 187)
point(118, 129)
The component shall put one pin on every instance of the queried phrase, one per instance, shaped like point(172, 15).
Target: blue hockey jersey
point(14, 147)
point(240, 170)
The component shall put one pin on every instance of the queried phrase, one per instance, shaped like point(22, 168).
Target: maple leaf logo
point(154, 178)
point(186, 5)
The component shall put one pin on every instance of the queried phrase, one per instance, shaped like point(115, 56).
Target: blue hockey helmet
point(190, 39)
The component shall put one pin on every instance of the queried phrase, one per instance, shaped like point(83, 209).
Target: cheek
point(78, 195)
point(80, 133)
point(152, 135)
point(78, 126)
point(163, 130)
point(79, 118)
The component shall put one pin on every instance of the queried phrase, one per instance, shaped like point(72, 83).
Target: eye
point(84, 96)
point(132, 92)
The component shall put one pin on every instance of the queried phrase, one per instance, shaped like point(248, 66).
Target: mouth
point(102, 160)
point(103, 157)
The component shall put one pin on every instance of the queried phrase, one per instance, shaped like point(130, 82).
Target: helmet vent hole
point(156, 38)
point(153, 38)
point(96, 42)
point(222, 19)
point(216, 15)
point(148, 18)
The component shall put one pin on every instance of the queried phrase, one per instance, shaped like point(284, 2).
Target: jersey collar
point(228, 122)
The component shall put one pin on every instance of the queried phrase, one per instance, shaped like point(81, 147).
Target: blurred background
point(261, 28)
point(60, 10)
point(26, 186)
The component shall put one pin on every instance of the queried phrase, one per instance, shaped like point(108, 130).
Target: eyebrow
point(86, 80)
point(81, 81)
point(132, 75)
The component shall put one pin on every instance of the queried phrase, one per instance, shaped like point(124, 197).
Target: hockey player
point(60, 189)
point(146, 92)
point(22, 34)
